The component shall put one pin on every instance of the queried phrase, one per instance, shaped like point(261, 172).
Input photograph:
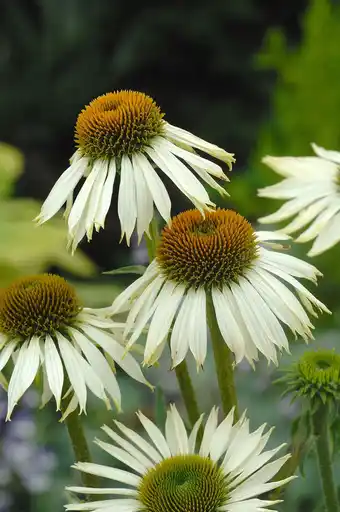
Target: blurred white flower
point(227, 472)
point(124, 133)
point(42, 325)
point(311, 189)
point(220, 259)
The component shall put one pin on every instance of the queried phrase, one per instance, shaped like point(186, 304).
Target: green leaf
point(132, 269)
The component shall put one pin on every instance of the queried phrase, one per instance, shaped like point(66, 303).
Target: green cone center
point(184, 483)
point(37, 305)
point(209, 251)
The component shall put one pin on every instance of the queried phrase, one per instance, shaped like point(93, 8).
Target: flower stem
point(320, 426)
point(223, 362)
point(152, 242)
point(188, 392)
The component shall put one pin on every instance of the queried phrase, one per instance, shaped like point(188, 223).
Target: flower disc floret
point(316, 376)
point(208, 251)
point(184, 483)
point(117, 123)
point(36, 305)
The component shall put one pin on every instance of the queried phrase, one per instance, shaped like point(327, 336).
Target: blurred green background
point(255, 77)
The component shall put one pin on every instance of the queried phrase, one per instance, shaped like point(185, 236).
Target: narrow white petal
point(289, 208)
point(168, 301)
point(78, 209)
point(307, 215)
point(302, 167)
point(169, 152)
point(155, 185)
point(99, 364)
point(155, 435)
point(122, 456)
point(197, 325)
point(320, 222)
point(127, 210)
point(328, 237)
point(71, 407)
point(290, 264)
point(179, 343)
point(230, 329)
point(118, 475)
point(196, 142)
point(221, 437)
point(105, 200)
point(61, 189)
point(107, 490)
point(123, 301)
point(333, 156)
point(193, 435)
point(117, 352)
point(140, 442)
point(210, 181)
point(75, 372)
point(144, 200)
point(264, 236)
point(46, 394)
point(117, 505)
point(252, 505)
point(6, 353)
point(25, 370)
point(209, 430)
point(100, 170)
point(175, 432)
point(128, 447)
point(54, 369)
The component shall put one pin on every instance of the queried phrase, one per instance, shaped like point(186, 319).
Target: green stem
point(79, 444)
point(188, 392)
point(223, 362)
point(152, 242)
point(320, 426)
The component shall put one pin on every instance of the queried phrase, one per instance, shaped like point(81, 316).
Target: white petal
point(25, 370)
point(6, 352)
point(128, 447)
point(155, 185)
point(333, 156)
point(264, 236)
point(116, 505)
point(78, 209)
point(176, 434)
point(117, 352)
point(54, 369)
point(140, 442)
point(233, 336)
point(127, 211)
point(209, 431)
point(74, 370)
point(168, 152)
point(122, 456)
point(107, 490)
point(290, 264)
point(320, 222)
point(193, 435)
point(289, 208)
point(328, 237)
point(197, 325)
point(302, 167)
point(221, 437)
point(168, 301)
point(118, 475)
point(100, 169)
point(307, 215)
point(123, 301)
point(144, 200)
point(105, 200)
point(99, 364)
point(155, 435)
point(196, 142)
point(61, 189)
point(179, 344)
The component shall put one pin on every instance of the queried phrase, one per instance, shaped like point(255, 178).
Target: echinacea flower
point(123, 133)
point(311, 189)
point(42, 325)
point(219, 258)
point(227, 472)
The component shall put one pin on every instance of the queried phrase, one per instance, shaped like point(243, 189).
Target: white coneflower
point(42, 325)
point(228, 472)
point(312, 190)
point(124, 133)
point(219, 258)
